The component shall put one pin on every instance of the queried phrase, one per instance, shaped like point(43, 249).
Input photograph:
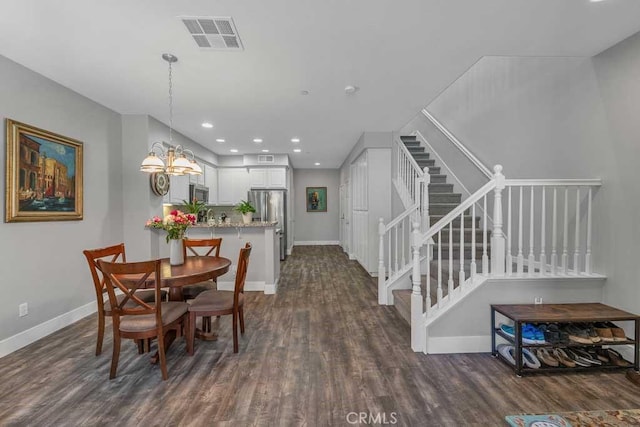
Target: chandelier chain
point(170, 104)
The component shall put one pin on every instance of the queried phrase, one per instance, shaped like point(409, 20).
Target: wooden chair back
point(127, 277)
point(213, 246)
point(241, 274)
point(113, 253)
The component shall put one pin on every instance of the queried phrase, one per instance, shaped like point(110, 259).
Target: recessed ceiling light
point(317, 164)
point(297, 150)
point(265, 151)
point(207, 125)
point(220, 140)
point(304, 92)
point(596, 1)
point(351, 89)
point(295, 140)
point(257, 140)
point(233, 150)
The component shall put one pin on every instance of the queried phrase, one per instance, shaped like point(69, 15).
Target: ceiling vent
point(266, 158)
point(213, 32)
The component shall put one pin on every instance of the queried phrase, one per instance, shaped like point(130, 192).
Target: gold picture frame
point(43, 175)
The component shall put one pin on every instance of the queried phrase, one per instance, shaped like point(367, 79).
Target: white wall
point(618, 75)
point(318, 227)
point(42, 262)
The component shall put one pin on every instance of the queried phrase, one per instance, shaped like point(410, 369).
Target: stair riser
point(440, 188)
point(417, 150)
point(438, 179)
point(422, 162)
point(445, 198)
point(408, 138)
point(433, 170)
point(443, 209)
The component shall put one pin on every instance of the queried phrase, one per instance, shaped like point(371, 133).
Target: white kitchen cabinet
point(268, 177)
point(233, 185)
point(178, 190)
point(211, 182)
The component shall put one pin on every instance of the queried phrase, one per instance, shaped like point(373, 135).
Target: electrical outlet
point(23, 309)
point(537, 300)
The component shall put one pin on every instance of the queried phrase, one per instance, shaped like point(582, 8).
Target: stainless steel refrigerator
point(271, 205)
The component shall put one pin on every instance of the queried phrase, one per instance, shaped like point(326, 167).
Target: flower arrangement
point(175, 224)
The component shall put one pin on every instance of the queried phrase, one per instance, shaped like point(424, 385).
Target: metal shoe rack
point(560, 313)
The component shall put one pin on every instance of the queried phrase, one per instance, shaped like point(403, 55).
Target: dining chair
point(137, 319)
point(205, 247)
point(220, 303)
point(115, 253)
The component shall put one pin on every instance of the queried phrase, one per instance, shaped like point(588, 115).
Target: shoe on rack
point(527, 337)
point(618, 333)
point(530, 360)
point(537, 333)
point(546, 357)
point(562, 357)
point(585, 356)
point(603, 355)
point(577, 335)
point(604, 333)
point(616, 358)
point(579, 360)
point(507, 351)
point(591, 332)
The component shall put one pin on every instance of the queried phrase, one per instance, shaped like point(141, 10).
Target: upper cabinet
point(233, 185)
point(268, 177)
point(211, 182)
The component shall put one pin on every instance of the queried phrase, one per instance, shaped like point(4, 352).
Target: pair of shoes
point(634, 377)
point(563, 358)
point(533, 332)
point(616, 358)
point(546, 357)
point(583, 358)
point(617, 332)
point(578, 335)
point(528, 358)
point(553, 334)
point(527, 337)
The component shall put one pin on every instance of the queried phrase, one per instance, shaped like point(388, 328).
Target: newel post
point(417, 309)
point(497, 235)
point(382, 291)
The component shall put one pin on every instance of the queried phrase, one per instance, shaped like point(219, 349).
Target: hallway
point(318, 351)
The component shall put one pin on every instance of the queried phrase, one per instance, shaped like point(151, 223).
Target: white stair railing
point(408, 175)
point(531, 218)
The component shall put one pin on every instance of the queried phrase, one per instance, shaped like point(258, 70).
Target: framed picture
point(43, 175)
point(316, 199)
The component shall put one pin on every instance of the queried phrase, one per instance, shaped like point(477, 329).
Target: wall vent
point(266, 158)
point(213, 32)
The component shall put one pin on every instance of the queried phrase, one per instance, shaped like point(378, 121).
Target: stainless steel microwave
point(199, 192)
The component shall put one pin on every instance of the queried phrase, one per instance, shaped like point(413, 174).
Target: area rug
point(627, 417)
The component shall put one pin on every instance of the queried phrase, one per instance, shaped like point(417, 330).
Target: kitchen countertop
point(236, 224)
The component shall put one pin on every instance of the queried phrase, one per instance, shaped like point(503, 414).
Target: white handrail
point(481, 166)
point(402, 216)
point(591, 182)
point(410, 158)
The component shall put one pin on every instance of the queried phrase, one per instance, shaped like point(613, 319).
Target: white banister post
point(497, 236)
point(425, 200)
point(382, 292)
point(417, 309)
point(587, 256)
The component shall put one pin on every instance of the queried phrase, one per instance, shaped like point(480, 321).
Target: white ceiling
point(400, 53)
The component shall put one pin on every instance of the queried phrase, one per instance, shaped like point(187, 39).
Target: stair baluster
point(576, 245)
point(381, 273)
point(461, 273)
point(439, 269)
point(509, 237)
point(450, 272)
point(520, 258)
point(543, 231)
point(531, 259)
point(472, 266)
point(565, 252)
point(587, 257)
point(554, 234)
point(485, 255)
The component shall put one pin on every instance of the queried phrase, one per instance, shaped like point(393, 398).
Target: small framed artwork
point(43, 175)
point(316, 199)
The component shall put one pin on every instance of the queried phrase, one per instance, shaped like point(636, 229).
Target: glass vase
point(176, 254)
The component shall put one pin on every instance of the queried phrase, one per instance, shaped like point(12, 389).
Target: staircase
point(442, 200)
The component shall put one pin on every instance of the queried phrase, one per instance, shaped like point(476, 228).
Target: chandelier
point(170, 160)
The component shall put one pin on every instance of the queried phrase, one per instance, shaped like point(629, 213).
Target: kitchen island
point(264, 264)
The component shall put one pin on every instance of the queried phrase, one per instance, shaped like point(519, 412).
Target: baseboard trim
point(31, 335)
point(271, 288)
point(256, 286)
point(315, 242)
point(446, 345)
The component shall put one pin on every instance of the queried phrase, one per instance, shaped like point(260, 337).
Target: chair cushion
point(215, 301)
point(171, 311)
point(147, 295)
point(192, 291)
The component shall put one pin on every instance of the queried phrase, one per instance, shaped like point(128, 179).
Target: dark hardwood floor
point(319, 351)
